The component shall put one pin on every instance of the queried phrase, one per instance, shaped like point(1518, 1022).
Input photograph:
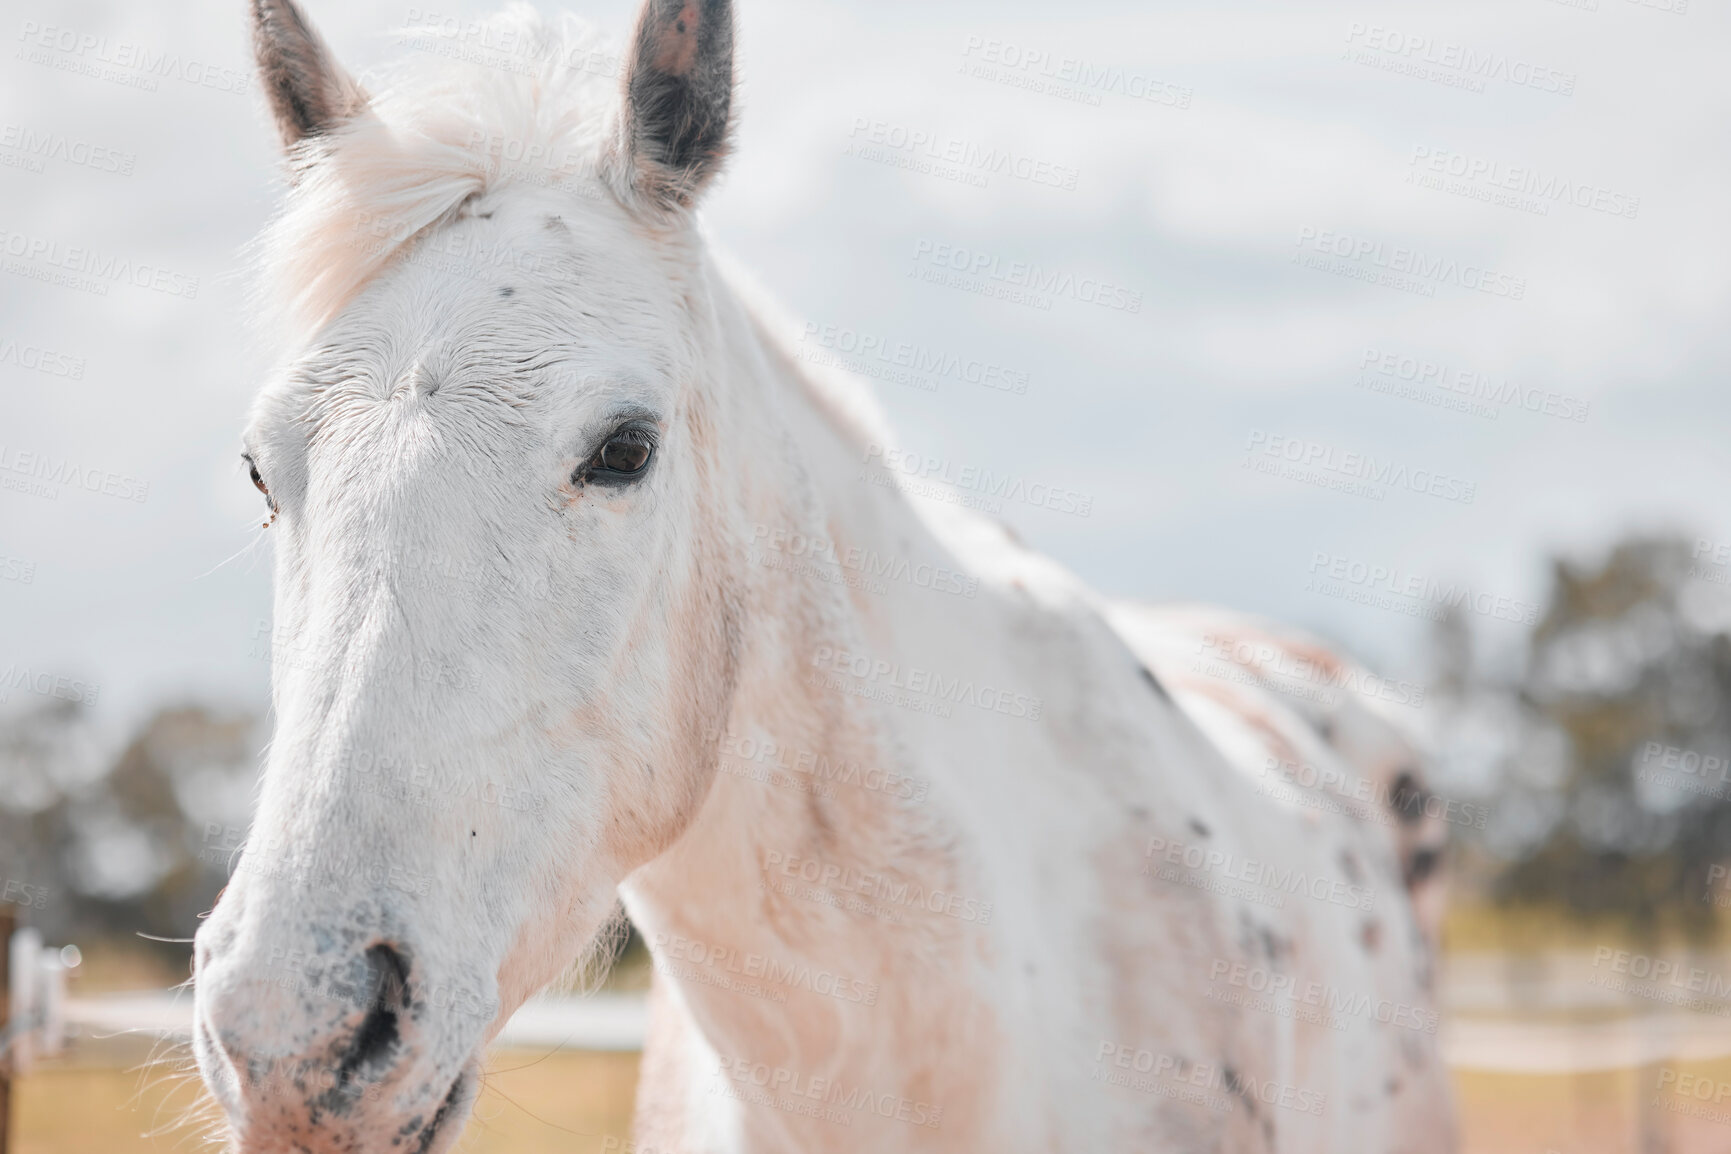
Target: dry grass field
point(564, 1103)
point(574, 1102)
point(105, 1097)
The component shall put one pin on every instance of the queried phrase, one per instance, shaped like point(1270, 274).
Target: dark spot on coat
point(1370, 936)
point(1349, 863)
point(1201, 830)
point(1235, 1085)
point(507, 291)
point(1154, 684)
point(439, 1115)
point(1424, 863)
point(1408, 798)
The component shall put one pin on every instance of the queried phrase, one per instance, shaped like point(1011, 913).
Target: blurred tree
point(1630, 667)
point(134, 841)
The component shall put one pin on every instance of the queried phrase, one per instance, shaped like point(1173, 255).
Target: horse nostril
point(388, 987)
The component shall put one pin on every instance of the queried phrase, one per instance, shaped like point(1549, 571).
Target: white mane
point(510, 99)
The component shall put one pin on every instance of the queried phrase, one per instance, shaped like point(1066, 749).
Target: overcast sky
point(1541, 185)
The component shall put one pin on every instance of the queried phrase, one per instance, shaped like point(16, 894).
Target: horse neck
point(781, 914)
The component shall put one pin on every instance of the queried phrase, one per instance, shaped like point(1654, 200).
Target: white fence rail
point(597, 1022)
point(1501, 1014)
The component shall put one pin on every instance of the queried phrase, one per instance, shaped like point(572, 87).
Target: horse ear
point(678, 98)
point(309, 92)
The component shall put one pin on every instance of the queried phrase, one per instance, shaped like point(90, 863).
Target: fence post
point(8, 922)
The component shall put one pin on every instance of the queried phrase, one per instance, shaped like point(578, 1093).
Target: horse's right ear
point(309, 92)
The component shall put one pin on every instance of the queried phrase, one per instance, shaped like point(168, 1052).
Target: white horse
point(586, 592)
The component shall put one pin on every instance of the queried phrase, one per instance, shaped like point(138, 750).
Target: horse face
point(503, 629)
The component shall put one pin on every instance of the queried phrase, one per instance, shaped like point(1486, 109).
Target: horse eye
point(622, 456)
point(258, 482)
point(625, 456)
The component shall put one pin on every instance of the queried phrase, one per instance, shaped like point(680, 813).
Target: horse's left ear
point(678, 99)
point(309, 92)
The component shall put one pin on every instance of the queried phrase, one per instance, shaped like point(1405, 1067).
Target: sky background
point(1274, 126)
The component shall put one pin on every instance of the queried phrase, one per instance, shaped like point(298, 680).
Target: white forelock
point(513, 98)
